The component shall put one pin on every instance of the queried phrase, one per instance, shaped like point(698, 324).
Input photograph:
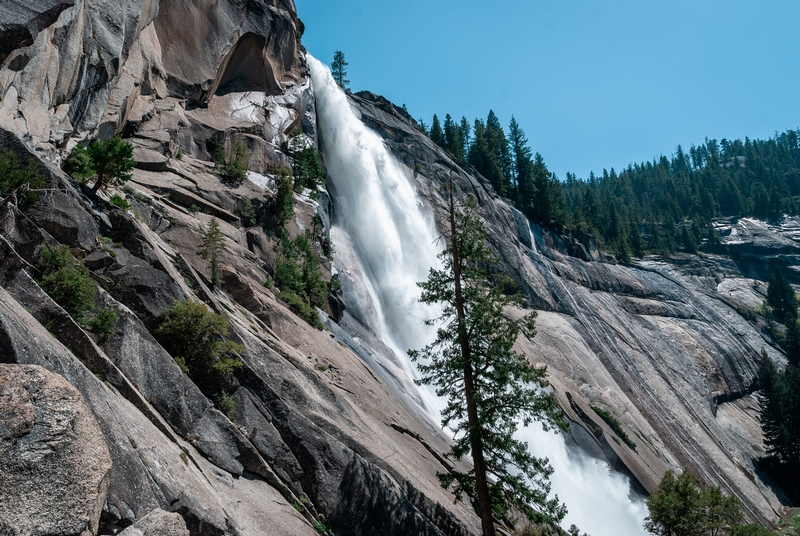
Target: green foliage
point(339, 69)
point(779, 399)
point(78, 164)
point(120, 202)
point(179, 154)
point(197, 340)
point(234, 170)
point(67, 281)
point(283, 202)
point(194, 209)
point(226, 405)
point(211, 247)
point(103, 322)
point(297, 274)
point(750, 530)
point(307, 169)
point(676, 198)
point(781, 297)
point(306, 165)
point(489, 389)
point(437, 134)
point(321, 526)
point(615, 425)
point(507, 162)
point(14, 175)
point(682, 506)
point(247, 213)
point(133, 192)
point(110, 161)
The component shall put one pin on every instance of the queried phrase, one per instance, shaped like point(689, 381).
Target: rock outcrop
point(54, 463)
point(318, 439)
point(661, 344)
point(158, 523)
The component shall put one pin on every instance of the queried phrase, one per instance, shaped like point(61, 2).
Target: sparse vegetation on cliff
point(298, 276)
point(615, 425)
point(15, 176)
point(108, 161)
point(198, 340)
point(211, 248)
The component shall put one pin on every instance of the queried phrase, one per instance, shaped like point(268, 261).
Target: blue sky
point(593, 84)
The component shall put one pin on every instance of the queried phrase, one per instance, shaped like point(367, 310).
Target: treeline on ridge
point(660, 206)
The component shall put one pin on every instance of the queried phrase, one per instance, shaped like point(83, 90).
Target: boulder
point(54, 463)
point(158, 523)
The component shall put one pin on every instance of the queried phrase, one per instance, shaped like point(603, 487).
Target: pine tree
point(423, 126)
point(489, 389)
point(466, 135)
point(437, 134)
point(111, 162)
point(522, 167)
point(781, 296)
point(498, 149)
point(452, 138)
point(339, 69)
point(211, 248)
point(791, 341)
point(682, 506)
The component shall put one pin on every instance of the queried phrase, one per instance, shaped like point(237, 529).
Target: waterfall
point(385, 238)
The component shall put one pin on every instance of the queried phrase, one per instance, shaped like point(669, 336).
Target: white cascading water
point(383, 222)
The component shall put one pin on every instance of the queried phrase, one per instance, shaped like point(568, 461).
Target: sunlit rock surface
point(660, 344)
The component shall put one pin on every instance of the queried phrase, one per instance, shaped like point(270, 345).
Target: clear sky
point(594, 84)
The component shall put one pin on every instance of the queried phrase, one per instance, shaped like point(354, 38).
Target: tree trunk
point(476, 445)
point(98, 182)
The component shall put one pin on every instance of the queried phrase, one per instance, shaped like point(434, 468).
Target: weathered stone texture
point(54, 463)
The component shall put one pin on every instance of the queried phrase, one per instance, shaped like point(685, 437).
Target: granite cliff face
point(319, 438)
point(661, 344)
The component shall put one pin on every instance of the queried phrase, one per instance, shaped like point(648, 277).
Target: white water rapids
point(387, 235)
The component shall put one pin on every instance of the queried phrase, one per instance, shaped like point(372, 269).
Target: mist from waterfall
point(393, 235)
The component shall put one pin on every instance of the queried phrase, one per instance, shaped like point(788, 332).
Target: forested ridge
point(660, 206)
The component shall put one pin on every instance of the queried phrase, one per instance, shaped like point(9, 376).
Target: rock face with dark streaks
point(315, 437)
point(660, 343)
point(312, 440)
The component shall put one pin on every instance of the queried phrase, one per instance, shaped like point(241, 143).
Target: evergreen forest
point(660, 206)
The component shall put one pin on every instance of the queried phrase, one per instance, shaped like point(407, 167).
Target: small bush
point(298, 276)
point(78, 165)
point(303, 309)
point(197, 339)
point(67, 281)
point(247, 213)
point(234, 170)
point(334, 285)
point(614, 424)
point(321, 526)
point(307, 169)
point(283, 202)
point(226, 405)
point(103, 322)
point(121, 203)
point(194, 209)
point(179, 154)
point(13, 174)
point(133, 192)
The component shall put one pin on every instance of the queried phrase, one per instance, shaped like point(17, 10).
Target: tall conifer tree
point(490, 390)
